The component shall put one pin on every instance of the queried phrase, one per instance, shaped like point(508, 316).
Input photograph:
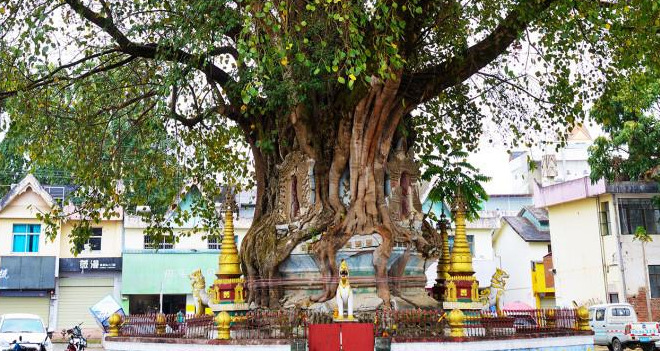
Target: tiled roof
point(541, 214)
point(527, 230)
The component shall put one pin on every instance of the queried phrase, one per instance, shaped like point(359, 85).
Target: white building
point(594, 252)
point(550, 165)
point(520, 244)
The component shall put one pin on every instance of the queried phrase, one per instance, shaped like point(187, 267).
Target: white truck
point(615, 325)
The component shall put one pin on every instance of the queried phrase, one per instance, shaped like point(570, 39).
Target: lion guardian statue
point(344, 293)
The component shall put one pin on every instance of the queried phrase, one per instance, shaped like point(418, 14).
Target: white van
point(615, 325)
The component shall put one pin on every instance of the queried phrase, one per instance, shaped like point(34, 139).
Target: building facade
point(551, 165)
point(520, 245)
point(163, 280)
point(592, 232)
point(28, 259)
point(42, 275)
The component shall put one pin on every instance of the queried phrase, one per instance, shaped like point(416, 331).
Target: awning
point(169, 271)
point(27, 272)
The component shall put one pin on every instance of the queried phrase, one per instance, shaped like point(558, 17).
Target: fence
point(433, 324)
point(172, 326)
point(406, 325)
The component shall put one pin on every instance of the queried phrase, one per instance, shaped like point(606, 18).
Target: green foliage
point(630, 151)
point(641, 235)
point(444, 156)
point(152, 94)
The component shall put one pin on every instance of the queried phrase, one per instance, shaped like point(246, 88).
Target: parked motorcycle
point(77, 341)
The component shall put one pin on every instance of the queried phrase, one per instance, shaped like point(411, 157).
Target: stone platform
point(559, 343)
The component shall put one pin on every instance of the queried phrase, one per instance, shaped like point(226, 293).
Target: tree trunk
point(302, 192)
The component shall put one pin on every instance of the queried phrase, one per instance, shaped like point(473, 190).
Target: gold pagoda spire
point(228, 262)
point(443, 260)
point(461, 257)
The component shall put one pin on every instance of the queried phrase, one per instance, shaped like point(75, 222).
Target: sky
point(493, 161)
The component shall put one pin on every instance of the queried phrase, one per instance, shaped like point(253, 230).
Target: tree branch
point(198, 118)
point(150, 51)
point(515, 86)
point(426, 84)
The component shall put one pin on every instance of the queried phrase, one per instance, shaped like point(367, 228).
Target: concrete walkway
point(90, 347)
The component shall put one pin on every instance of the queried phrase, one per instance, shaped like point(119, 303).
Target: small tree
point(642, 236)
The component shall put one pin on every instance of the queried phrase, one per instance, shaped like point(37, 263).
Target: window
point(604, 217)
point(600, 314)
point(26, 237)
point(614, 297)
point(654, 279)
point(635, 213)
point(470, 239)
point(94, 241)
point(166, 243)
point(620, 312)
point(215, 243)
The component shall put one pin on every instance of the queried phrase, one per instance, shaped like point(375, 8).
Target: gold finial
point(114, 323)
point(228, 263)
point(461, 257)
point(223, 321)
point(456, 319)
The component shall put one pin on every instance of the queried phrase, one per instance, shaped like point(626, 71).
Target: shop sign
point(90, 264)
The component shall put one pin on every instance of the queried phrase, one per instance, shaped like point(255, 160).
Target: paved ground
point(92, 347)
point(97, 347)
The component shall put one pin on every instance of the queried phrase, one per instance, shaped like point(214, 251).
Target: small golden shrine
point(227, 292)
point(443, 260)
point(461, 287)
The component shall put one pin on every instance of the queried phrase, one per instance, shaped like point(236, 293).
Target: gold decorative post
point(456, 319)
point(551, 318)
point(583, 318)
point(115, 324)
point(161, 323)
point(223, 320)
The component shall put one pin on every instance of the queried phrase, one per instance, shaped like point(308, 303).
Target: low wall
point(171, 344)
point(562, 343)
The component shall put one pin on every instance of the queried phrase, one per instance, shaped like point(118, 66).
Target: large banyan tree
point(330, 106)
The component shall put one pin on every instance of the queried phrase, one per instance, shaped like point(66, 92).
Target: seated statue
point(344, 293)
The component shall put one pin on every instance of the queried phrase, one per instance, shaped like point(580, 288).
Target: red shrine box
point(341, 336)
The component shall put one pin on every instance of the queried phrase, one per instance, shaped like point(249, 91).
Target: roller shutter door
point(76, 296)
point(33, 305)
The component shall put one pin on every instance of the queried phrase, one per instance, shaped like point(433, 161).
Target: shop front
point(27, 284)
point(152, 281)
point(83, 282)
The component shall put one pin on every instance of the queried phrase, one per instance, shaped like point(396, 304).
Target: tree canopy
point(146, 93)
point(628, 113)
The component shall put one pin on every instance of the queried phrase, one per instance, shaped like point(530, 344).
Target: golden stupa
point(462, 288)
point(227, 291)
